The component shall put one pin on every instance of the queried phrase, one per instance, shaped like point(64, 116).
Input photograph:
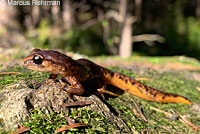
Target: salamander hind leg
point(102, 90)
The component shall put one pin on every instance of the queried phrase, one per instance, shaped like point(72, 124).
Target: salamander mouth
point(28, 62)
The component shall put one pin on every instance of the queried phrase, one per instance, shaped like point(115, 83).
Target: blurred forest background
point(106, 27)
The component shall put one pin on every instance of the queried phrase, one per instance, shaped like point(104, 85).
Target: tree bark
point(36, 15)
point(125, 48)
point(67, 14)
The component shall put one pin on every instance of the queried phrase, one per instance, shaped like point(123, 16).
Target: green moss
point(174, 82)
point(48, 123)
point(25, 74)
point(180, 82)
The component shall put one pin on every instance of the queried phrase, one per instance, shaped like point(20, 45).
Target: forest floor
point(178, 74)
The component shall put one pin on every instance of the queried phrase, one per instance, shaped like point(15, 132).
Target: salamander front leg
point(75, 88)
point(53, 76)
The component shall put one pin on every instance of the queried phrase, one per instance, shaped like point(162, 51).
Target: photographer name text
point(33, 2)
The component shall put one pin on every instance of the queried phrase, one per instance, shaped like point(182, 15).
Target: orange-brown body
point(78, 72)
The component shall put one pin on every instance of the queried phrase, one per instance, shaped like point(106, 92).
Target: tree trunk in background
point(36, 15)
point(67, 14)
point(28, 21)
point(125, 48)
point(198, 9)
point(138, 9)
point(55, 11)
point(9, 25)
point(123, 9)
point(8, 17)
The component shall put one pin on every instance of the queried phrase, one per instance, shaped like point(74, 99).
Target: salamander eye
point(37, 59)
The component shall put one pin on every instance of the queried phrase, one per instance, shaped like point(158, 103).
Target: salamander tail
point(141, 90)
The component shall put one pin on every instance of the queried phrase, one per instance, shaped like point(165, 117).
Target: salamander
point(78, 72)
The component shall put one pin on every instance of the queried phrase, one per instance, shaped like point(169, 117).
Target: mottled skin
point(78, 72)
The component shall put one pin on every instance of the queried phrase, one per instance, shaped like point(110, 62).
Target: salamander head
point(47, 60)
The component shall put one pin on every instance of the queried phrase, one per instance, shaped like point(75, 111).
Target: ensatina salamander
point(76, 72)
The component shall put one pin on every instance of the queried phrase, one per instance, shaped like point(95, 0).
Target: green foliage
point(193, 34)
point(180, 29)
point(186, 37)
point(185, 34)
point(2, 30)
point(41, 36)
point(181, 35)
point(85, 41)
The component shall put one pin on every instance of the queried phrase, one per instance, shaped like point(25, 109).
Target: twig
point(140, 112)
point(180, 118)
point(148, 37)
point(135, 112)
point(75, 104)
point(162, 111)
point(115, 15)
point(184, 120)
point(89, 23)
point(74, 125)
point(10, 73)
point(20, 129)
point(144, 37)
